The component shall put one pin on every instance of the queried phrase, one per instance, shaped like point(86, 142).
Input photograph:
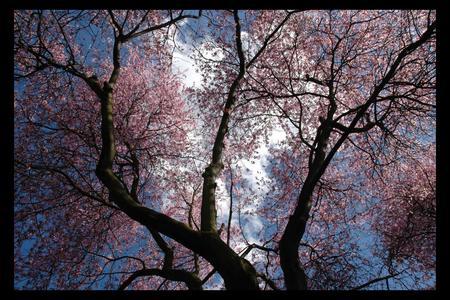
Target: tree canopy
point(224, 149)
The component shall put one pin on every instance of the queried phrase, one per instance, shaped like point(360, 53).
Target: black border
point(7, 154)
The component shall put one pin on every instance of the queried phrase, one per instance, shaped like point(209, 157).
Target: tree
point(126, 178)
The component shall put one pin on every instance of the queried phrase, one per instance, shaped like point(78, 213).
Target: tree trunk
point(294, 275)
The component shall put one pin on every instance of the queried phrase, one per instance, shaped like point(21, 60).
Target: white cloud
point(216, 53)
point(222, 201)
point(253, 171)
point(254, 168)
point(277, 135)
point(248, 45)
point(183, 63)
point(252, 228)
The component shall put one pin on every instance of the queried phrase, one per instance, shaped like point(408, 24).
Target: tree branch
point(208, 209)
point(190, 279)
point(374, 281)
point(295, 277)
